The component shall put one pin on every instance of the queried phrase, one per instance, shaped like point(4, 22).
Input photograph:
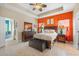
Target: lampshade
point(61, 27)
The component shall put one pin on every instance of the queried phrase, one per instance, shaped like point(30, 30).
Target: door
point(2, 31)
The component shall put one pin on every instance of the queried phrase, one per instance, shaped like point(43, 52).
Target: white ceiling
point(26, 8)
point(50, 6)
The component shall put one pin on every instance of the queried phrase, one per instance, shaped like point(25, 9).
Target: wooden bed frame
point(51, 27)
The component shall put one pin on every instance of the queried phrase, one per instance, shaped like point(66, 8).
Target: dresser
point(27, 35)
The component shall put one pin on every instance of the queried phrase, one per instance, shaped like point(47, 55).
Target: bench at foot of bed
point(39, 44)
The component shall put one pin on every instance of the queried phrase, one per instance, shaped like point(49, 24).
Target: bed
point(42, 41)
point(46, 36)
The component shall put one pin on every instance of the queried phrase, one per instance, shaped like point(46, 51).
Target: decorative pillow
point(49, 31)
point(46, 31)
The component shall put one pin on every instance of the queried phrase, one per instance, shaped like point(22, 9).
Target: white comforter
point(46, 36)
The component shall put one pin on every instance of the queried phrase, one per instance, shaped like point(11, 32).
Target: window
point(8, 27)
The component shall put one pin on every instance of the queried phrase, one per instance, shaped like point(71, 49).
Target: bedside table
point(61, 38)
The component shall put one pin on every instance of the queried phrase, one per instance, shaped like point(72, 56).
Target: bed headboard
point(51, 27)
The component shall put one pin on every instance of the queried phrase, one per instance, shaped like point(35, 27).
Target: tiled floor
point(14, 48)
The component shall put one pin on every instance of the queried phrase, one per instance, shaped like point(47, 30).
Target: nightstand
point(61, 38)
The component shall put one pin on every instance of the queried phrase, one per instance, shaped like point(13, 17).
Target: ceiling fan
point(38, 6)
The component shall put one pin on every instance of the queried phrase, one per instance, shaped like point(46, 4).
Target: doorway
point(8, 25)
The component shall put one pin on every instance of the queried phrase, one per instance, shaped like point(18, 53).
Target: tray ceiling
point(26, 8)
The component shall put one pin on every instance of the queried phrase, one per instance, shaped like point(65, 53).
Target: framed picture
point(50, 21)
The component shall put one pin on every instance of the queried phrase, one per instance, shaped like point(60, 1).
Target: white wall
point(76, 25)
point(18, 17)
point(2, 32)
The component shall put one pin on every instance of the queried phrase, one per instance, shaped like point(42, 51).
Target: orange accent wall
point(63, 16)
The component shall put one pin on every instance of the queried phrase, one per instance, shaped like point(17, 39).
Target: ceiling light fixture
point(38, 6)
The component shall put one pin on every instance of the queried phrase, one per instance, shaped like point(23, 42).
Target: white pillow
point(46, 31)
point(49, 31)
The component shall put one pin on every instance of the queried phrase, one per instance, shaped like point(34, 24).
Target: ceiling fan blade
point(44, 5)
point(40, 9)
point(31, 4)
point(34, 8)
